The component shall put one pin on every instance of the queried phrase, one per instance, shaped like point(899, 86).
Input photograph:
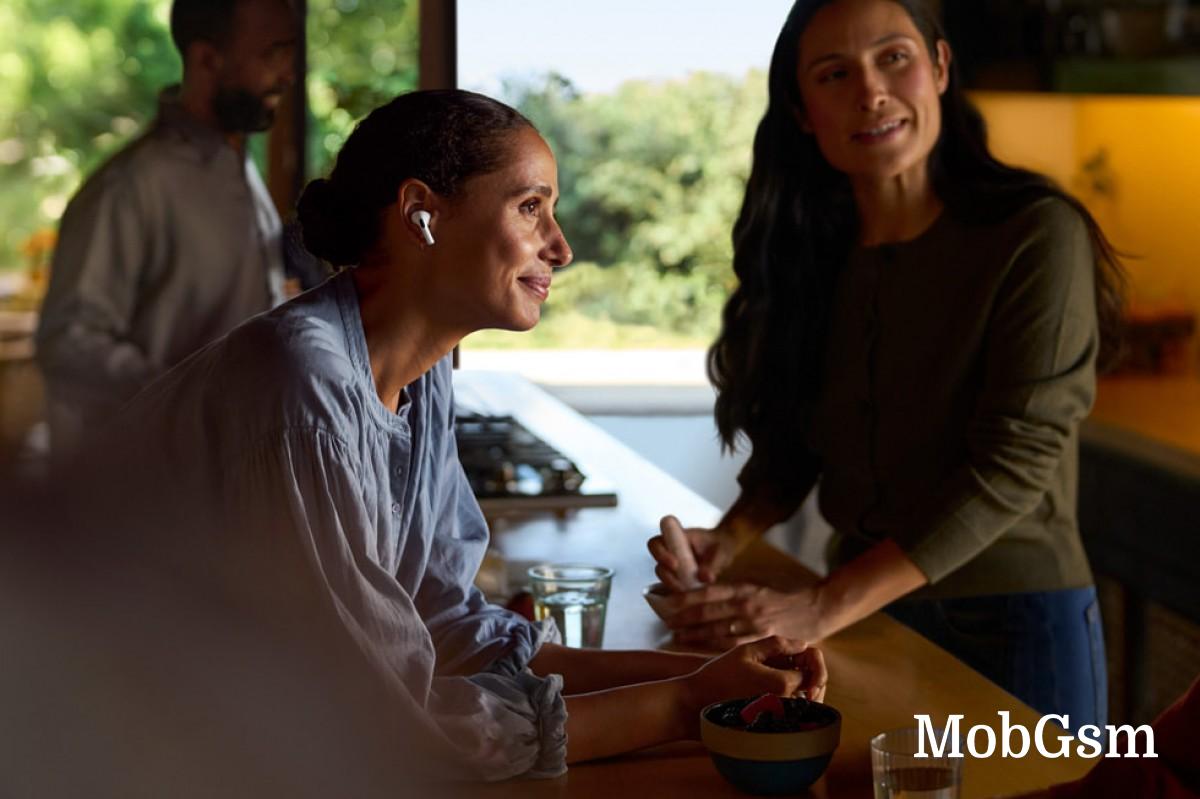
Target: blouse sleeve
point(470, 634)
point(1039, 383)
point(304, 487)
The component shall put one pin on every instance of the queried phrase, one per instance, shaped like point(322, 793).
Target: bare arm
point(626, 719)
point(587, 670)
point(604, 723)
point(866, 584)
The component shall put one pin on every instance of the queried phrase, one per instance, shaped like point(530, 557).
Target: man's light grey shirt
point(168, 246)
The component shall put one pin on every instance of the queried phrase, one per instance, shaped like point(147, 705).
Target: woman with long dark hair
point(312, 451)
point(917, 326)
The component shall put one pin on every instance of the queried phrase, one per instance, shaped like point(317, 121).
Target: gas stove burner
point(509, 468)
point(504, 459)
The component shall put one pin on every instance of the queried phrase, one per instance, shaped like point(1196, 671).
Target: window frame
point(287, 170)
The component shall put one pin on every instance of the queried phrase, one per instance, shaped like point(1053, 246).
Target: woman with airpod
point(325, 427)
point(917, 326)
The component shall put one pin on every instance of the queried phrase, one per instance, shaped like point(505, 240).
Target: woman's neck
point(404, 339)
point(895, 210)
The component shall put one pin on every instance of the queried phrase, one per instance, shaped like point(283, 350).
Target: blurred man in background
point(175, 240)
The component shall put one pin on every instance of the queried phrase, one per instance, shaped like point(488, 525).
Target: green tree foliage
point(77, 80)
point(652, 174)
point(361, 53)
point(652, 177)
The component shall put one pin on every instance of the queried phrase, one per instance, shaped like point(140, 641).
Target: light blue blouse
point(278, 426)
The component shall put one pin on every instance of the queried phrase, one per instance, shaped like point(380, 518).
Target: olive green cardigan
point(958, 369)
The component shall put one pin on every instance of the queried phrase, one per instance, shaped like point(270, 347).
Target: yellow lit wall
point(1150, 206)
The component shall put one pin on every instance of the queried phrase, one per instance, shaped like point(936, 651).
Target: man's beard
point(240, 111)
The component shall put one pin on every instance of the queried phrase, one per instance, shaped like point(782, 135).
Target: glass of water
point(575, 595)
point(900, 774)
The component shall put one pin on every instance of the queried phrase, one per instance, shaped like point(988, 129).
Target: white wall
point(686, 447)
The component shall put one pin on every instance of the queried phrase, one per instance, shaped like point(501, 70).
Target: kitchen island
point(881, 672)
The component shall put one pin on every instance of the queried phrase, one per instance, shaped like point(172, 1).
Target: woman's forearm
point(604, 723)
point(619, 720)
point(587, 670)
point(866, 584)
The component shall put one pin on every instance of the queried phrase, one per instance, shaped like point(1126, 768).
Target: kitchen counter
point(881, 672)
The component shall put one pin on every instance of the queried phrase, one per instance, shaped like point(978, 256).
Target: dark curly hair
point(442, 137)
point(798, 223)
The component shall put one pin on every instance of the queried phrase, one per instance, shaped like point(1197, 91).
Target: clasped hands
point(725, 615)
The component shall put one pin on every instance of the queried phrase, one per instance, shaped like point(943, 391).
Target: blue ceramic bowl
point(770, 763)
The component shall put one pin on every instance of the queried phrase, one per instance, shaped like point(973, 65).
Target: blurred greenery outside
point(651, 174)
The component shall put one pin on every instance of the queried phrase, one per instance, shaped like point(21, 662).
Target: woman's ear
point(941, 69)
point(412, 194)
point(415, 195)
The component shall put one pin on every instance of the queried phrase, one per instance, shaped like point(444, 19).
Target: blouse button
point(396, 508)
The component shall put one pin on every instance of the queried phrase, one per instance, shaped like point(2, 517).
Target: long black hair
point(798, 224)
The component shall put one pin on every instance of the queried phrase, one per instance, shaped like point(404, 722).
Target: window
point(651, 110)
point(76, 83)
point(361, 53)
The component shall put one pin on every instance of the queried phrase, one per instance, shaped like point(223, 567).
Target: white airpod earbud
point(421, 219)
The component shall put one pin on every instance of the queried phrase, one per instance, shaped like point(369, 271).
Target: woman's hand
point(772, 665)
point(714, 550)
point(605, 723)
point(725, 615)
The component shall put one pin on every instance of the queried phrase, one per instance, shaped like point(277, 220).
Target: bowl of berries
point(771, 745)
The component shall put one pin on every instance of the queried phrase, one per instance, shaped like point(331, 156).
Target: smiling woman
point(870, 90)
point(336, 484)
point(917, 325)
point(490, 205)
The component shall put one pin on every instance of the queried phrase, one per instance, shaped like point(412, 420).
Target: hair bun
point(323, 222)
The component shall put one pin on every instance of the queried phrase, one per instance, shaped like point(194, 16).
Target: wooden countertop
point(881, 672)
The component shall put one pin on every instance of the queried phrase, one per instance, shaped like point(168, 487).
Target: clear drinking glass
point(899, 774)
point(575, 595)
